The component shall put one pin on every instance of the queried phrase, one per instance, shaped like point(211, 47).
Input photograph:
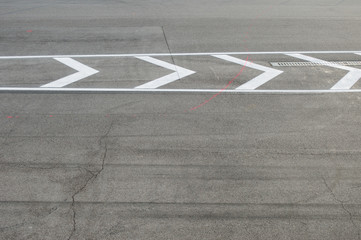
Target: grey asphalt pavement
point(143, 165)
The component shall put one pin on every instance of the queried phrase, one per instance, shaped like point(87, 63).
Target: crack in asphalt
point(343, 207)
point(94, 175)
point(170, 53)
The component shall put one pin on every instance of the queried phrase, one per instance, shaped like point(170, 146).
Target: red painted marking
point(50, 115)
point(215, 95)
point(17, 117)
point(9, 116)
point(29, 31)
point(246, 38)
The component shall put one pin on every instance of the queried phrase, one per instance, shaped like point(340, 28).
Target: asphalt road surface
point(163, 119)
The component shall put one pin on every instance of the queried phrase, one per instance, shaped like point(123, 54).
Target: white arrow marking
point(269, 73)
point(83, 72)
point(180, 73)
point(346, 82)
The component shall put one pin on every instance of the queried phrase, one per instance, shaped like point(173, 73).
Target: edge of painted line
point(133, 90)
point(179, 54)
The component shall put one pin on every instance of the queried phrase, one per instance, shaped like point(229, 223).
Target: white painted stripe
point(135, 90)
point(177, 54)
point(160, 81)
point(83, 72)
point(158, 63)
point(180, 73)
point(321, 62)
point(269, 73)
point(346, 82)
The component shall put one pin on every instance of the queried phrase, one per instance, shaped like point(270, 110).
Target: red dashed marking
point(215, 95)
point(9, 116)
point(51, 116)
point(29, 31)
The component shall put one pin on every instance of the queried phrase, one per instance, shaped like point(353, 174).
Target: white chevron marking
point(346, 82)
point(83, 72)
point(178, 74)
point(269, 73)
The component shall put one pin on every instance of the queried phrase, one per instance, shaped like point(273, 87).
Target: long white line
point(269, 73)
point(136, 90)
point(83, 72)
point(346, 82)
point(180, 73)
point(177, 54)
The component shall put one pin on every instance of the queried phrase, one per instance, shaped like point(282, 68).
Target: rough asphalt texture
point(141, 166)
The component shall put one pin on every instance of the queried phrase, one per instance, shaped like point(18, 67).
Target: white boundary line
point(178, 54)
point(136, 90)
